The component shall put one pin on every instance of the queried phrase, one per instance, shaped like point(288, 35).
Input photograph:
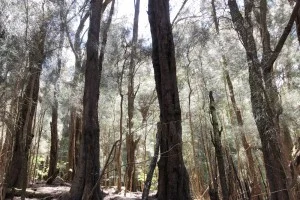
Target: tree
point(173, 180)
point(266, 106)
point(89, 165)
point(53, 172)
point(216, 138)
point(131, 144)
point(23, 136)
point(256, 192)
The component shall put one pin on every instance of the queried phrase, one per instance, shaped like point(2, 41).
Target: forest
point(150, 99)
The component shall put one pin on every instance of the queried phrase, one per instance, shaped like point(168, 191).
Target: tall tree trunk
point(173, 182)
point(196, 170)
point(54, 143)
point(256, 192)
point(216, 139)
point(89, 165)
point(118, 153)
point(52, 173)
point(130, 142)
point(17, 173)
point(265, 101)
point(71, 149)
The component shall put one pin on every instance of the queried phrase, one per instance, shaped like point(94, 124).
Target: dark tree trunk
point(256, 189)
point(131, 144)
point(297, 21)
point(17, 173)
point(216, 139)
point(75, 129)
point(54, 145)
point(88, 169)
point(71, 150)
point(173, 182)
point(265, 101)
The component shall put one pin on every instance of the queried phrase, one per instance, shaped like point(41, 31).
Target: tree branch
point(283, 37)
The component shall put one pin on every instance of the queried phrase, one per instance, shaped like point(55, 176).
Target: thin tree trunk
point(130, 142)
point(54, 135)
point(152, 166)
point(216, 139)
point(297, 21)
point(118, 156)
point(256, 192)
point(40, 130)
point(196, 170)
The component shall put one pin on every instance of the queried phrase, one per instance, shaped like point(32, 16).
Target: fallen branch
point(31, 193)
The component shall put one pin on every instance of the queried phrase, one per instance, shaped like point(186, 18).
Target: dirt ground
point(55, 192)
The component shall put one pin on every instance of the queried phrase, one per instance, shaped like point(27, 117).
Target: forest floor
point(42, 191)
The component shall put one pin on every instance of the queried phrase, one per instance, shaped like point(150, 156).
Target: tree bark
point(173, 182)
point(89, 165)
